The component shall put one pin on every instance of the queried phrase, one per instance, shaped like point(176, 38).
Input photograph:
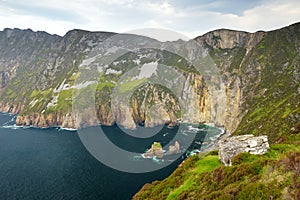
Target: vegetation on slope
point(270, 79)
point(274, 175)
point(274, 104)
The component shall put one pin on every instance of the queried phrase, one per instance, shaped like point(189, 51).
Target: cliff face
point(261, 74)
point(10, 108)
point(228, 49)
point(38, 73)
point(229, 39)
point(32, 65)
point(153, 105)
point(42, 120)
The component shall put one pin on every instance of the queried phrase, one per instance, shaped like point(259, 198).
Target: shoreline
point(71, 129)
point(14, 126)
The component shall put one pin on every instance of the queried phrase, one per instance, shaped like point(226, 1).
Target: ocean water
point(54, 164)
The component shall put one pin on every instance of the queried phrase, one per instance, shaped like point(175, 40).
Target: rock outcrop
point(174, 149)
point(229, 39)
point(11, 108)
point(155, 150)
point(45, 121)
point(232, 146)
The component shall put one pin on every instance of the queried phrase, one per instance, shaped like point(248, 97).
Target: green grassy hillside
point(274, 175)
point(273, 105)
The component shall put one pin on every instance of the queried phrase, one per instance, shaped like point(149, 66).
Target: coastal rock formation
point(174, 149)
point(11, 108)
point(155, 150)
point(38, 73)
point(45, 121)
point(232, 146)
point(53, 62)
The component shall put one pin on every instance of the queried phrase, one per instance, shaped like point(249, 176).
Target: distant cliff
point(259, 81)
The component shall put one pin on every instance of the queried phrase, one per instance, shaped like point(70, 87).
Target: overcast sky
point(189, 17)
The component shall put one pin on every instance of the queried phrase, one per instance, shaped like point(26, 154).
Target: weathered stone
point(174, 149)
point(155, 150)
point(232, 146)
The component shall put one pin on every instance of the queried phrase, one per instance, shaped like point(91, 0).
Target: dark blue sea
point(54, 164)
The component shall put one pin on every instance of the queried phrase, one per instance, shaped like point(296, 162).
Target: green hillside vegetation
point(275, 103)
point(130, 85)
point(274, 175)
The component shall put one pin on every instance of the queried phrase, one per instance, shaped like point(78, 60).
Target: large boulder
point(230, 147)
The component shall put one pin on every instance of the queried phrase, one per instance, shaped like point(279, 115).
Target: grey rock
point(232, 146)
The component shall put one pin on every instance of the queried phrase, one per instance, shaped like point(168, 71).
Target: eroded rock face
point(174, 149)
point(232, 146)
point(62, 55)
point(228, 39)
point(45, 121)
point(155, 150)
point(11, 108)
point(33, 65)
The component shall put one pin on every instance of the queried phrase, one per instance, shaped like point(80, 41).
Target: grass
point(183, 179)
point(100, 86)
point(287, 111)
point(42, 98)
point(64, 103)
point(206, 164)
point(274, 111)
point(34, 93)
point(270, 116)
point(274, 175)
point(157, 145)
point(130, 85)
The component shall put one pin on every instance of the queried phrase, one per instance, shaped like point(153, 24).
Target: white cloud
point(271, 15)
point(163, 8)
point(58, 17)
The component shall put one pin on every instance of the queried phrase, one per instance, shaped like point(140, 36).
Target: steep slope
point(38, 84)
point(272, 84)
point(259, 80)
point(274, 175)
point(34, 64)
point(267, 73)
point(21, 59)
point(265, 69)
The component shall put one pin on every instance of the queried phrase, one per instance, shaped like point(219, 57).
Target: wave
point(194, 129)
point(14, 126)
point(67, 129)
